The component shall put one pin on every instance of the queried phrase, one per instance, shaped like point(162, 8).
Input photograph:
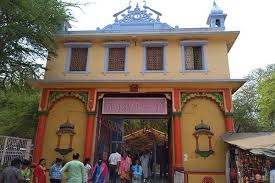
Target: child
point(137, 172)
point(26, 171)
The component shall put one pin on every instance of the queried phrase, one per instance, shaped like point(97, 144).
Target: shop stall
point(250, 156)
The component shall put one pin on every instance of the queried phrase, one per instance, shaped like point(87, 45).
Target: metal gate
point(13, 147)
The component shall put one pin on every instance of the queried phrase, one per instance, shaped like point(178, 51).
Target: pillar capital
point(178, 114)
point(44, 99)
point(176, 100)
point(91, 113)
point(228, 114)
point(43, 113)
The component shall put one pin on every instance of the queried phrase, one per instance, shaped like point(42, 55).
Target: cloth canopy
point(145, 138)
point(257, 143)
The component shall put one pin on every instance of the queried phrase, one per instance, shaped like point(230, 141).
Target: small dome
point(216, 9)
point(202, 126)
point(66, 125)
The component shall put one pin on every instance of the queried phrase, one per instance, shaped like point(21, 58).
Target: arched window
point(218, 22)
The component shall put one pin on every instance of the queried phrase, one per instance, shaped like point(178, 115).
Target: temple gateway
point(140, 84)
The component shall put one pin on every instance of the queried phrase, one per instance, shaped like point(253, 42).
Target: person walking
point(137, 172)
point(12, 173)
point(272, 172)
point(144, 159)
point(100, 172)
point(75, 170)
point(88, 170)
point(54, 172)
point(114, 161)
point(125, 168)
point(39, 173)
point(26, 171)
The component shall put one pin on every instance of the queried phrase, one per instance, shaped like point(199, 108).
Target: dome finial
point(215, 3)
point(216, 9)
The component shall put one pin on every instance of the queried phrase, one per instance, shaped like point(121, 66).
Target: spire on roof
point(216, 17)
point(216, 9)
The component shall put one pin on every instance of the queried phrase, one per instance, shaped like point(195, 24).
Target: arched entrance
point(134, 129)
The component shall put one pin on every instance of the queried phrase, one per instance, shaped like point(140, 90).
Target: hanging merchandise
point(251, 168)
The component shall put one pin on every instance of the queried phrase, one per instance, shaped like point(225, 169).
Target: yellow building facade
point(139, 67)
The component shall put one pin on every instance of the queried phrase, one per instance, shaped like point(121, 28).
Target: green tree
point(27, 34)
point(266, 101)
point(27, 29)
point(247, 106)
point(19, 113)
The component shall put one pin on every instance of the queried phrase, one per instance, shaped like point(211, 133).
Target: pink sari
point(124, 168)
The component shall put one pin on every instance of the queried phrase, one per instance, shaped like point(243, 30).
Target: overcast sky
point(255, 19)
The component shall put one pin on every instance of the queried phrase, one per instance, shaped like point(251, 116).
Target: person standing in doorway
point(125, 168)
point(88, 170)
point(114, 161)
point(137, 172)
point(54, 173)
point(144, 159)
point(75, 170)
point(12, 173)
point(39, 173)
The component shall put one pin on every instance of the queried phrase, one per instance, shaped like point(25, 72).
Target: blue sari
point(100, 173)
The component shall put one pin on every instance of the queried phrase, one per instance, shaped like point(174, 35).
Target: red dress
point(39, 174)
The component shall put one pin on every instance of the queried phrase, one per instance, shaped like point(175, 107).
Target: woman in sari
point(39, 173)
point(124, 168)
point(100, 172)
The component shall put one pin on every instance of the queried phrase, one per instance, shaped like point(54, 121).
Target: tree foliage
point(27, 39)
point(266, 101)
point(250, 102)
point(27, 29)
point(19, 113)
point(132, 125)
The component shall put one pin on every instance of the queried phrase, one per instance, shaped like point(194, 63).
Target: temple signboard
point(124, 105)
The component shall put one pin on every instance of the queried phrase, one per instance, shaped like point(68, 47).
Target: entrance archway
point(113, 128)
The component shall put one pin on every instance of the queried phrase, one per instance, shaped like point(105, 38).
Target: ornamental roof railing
point(136, 19)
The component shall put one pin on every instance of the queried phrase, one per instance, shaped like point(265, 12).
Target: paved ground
point(156, 179)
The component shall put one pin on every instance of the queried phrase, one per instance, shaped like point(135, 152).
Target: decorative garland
point(55, 96)
point(215, 96)
point(114, 126)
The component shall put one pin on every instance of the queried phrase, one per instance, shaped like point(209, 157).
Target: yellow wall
point(216, 57)
point(193, 112)
point(76, 112)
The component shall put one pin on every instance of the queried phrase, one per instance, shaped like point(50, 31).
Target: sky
point(254, 47)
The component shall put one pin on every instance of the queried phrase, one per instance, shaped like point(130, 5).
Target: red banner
point(134, 105)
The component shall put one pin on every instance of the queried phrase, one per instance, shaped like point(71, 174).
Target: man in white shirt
point(114, 161)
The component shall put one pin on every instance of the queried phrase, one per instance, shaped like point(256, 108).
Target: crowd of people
point(129, 168)
point(126, 168)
